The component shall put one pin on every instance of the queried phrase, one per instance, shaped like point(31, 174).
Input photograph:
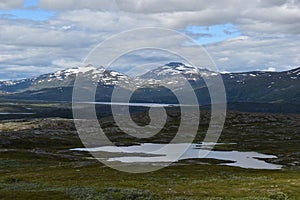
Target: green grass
point(69, 179)
point(35, 164)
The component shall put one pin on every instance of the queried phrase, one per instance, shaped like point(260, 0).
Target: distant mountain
point(256, 86)
point(62, 78)
point(271, 87)
point(251, 87)
point(176, 68)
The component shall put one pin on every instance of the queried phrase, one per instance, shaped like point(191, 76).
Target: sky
point(41, 36)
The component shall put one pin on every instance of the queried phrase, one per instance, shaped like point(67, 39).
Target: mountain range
point(256, 87)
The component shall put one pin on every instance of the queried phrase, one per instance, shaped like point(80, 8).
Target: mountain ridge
point(253, 86)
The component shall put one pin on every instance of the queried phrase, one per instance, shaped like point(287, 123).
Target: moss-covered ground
point(36, 163)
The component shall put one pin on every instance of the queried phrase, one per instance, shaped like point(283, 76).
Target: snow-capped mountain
point(257, 86)
point(263, 86)
point(66, 78)
point(63, 78)
point(177, 68)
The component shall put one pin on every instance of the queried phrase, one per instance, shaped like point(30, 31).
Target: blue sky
point(39, 36)
point(29, 11)
point(206, 34)
point(213, 34)
point(30, 3)
point(26, 13)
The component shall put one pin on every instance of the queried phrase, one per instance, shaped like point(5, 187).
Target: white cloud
point(279, 16)
point(271, 69)
point(270, 31)
point(10, 4)
point(78, 4)
point(41, 34)
point(66, 63)
point(256, 53)
point(224, 59)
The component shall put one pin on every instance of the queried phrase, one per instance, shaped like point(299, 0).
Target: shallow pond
point(10, 113)
point(155, 153)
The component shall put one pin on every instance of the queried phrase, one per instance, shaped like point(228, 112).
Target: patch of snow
point(168, 71)
point(72, 70)
point(182, 67)
point(113, 73)
point(296, 71)
point(87, 69)
point(9, 83)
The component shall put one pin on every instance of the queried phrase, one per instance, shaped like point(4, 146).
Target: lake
point(9, 113)
point(138, 104)
point(155, 153)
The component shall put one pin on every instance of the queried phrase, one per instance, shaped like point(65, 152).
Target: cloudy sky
point(39, 36)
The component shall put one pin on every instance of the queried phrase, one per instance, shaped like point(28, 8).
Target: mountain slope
point(62, 78)
point(268, 87)
point(254, 87)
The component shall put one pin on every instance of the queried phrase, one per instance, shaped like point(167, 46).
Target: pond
point(155, 153)
point(10, 113)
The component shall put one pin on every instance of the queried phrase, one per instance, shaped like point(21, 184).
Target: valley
point(39, 140)
point(36, 160)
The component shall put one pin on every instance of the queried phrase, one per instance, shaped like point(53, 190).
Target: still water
point(155, 153)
